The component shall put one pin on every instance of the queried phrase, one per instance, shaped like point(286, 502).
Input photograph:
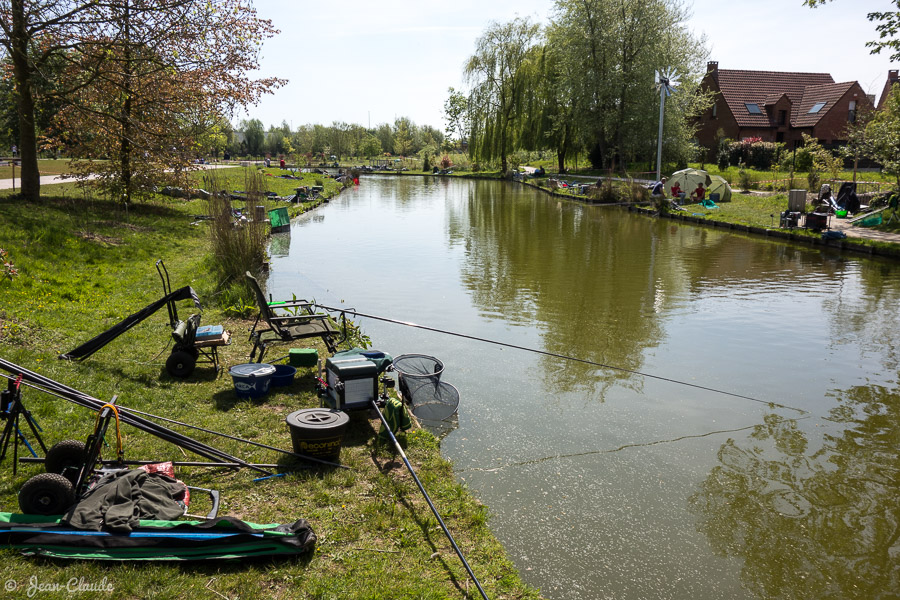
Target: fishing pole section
point(350, 311)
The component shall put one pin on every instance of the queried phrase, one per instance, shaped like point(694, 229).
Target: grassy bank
point(83, 265)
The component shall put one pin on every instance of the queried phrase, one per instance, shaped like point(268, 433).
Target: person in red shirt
point(282, 163)
point(700, 193)
point(676, 190)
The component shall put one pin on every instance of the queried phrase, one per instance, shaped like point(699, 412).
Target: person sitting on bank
point(699, 194)
point(659, 189)
point(676, 190)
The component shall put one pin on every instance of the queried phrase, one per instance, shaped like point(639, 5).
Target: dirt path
point(855, 231)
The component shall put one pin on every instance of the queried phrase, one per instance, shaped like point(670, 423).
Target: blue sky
point(369, 62)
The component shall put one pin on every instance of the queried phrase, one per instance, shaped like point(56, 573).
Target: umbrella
point(719, 186)
point(687, 180)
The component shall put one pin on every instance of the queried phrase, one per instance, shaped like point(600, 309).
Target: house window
point(851, 115)
point(753, 108)
point(782, 117)
point(715, 110)
point(817, 107)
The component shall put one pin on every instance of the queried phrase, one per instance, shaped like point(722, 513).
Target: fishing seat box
point(352, 383)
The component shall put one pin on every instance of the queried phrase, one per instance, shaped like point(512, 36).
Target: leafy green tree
point(254, 136)
point(887, 28)
point(883, 135)
point(456, 115)
point(499, 73)
point(385, 134)
point(615, 47)
point(370, 146)
point(404, 129)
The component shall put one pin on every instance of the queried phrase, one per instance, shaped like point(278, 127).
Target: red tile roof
point(829, 94)
point(740, 87)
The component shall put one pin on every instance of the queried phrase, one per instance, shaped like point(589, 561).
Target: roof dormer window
point(753, 108)
point(817, 107)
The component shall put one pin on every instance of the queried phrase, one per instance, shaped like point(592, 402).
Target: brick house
point(892, 78)
point(778, 107)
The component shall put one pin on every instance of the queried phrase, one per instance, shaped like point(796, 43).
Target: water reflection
point(588, 282)
point(812, 518)
point(590, 473)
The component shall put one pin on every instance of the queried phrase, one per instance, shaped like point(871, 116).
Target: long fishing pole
point(82, 399)
point(428, 499)
point(555, 355)
point(237, 439)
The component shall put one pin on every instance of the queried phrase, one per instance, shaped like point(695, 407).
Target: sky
point(372, 62)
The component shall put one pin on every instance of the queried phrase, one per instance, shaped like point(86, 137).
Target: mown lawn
point(84, 264)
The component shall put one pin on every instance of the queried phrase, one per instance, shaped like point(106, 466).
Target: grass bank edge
point(84, 266)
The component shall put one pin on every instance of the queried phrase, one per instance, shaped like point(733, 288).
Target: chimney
point(713, 67)
point(892, 75)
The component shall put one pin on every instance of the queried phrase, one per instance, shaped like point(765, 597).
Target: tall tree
point(35, 32)
point(456, 115)
point(149, 77)
point(254, 136)
point(888, 28)
point(883, 135)
point(613, 47)
point(497, 73)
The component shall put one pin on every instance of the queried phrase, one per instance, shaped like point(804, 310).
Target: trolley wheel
point(65, 457)
point(180, 364)
point(46, 494)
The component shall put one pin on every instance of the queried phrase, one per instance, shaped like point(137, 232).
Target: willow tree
point(499, 72)
point(614, 47)
point(157, 76)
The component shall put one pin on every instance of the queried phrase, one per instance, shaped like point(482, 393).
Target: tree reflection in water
point(812, 524)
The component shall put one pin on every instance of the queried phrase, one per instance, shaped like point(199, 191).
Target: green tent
point(688, 180)
point(719, 186)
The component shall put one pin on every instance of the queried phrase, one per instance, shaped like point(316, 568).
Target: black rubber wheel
point(180, 364)
point(66, 458)
point(46, 494)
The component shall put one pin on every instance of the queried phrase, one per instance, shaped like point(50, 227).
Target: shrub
point(446, 163)
point(753, 152)
point(237, 247)
point(743, 178)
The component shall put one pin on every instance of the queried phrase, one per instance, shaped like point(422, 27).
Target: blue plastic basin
point(252, 380)
point(284, 375)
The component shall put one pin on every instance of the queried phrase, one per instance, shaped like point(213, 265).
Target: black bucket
point(318, 432)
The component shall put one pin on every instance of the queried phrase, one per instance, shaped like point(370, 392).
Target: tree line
point(402, 138)
point(586, 82)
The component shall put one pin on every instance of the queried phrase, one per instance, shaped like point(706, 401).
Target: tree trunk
point(31, 180)
point(126, 148)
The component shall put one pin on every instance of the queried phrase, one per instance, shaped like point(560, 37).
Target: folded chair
point(301, 322)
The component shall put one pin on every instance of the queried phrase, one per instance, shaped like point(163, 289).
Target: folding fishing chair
point(300, 322)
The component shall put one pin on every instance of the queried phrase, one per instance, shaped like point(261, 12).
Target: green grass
point(84, 265)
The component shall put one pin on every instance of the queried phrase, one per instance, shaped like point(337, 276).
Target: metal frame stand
point(12, 408)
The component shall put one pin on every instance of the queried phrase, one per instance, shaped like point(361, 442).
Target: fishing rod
point(128, 410)
point(84, 400)
point(428, 499)
point(175, 463)
point(555, 355)
point(231, 437)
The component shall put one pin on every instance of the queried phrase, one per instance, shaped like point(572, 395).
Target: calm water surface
point(607, 483)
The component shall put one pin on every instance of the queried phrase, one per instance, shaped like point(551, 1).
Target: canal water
point(730, 430)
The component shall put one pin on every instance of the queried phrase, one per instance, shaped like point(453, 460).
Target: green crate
point(303, 357)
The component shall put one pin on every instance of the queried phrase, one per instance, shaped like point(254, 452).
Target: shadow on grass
point(386, 467)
